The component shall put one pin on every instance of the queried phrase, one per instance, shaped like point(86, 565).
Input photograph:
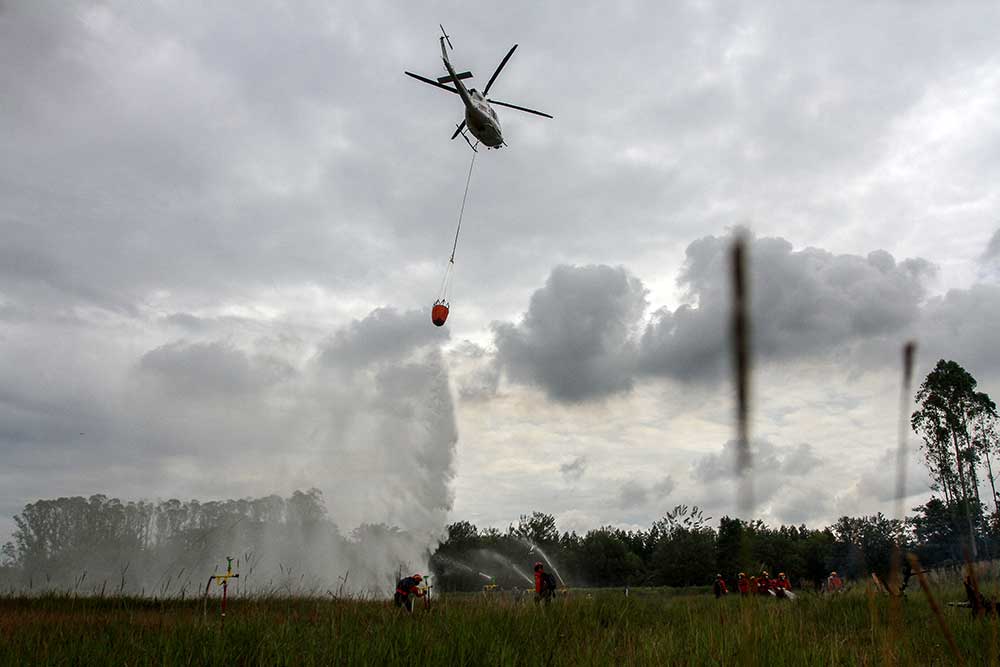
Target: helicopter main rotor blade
point(461, 126)
point(514, 106)
point(503, 62)
point(431, 82)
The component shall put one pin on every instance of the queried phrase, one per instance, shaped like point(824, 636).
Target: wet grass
point(587, 628)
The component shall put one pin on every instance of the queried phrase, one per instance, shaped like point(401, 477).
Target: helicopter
point(480, 117)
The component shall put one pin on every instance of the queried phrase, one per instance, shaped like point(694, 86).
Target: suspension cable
point(462, 211)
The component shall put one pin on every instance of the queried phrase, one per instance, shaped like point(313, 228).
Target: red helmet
point(539, 566)
point(417, 577)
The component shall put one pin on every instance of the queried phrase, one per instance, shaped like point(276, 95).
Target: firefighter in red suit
point(407, 589)
point(743, 584)
point(545, 587)
point(719, 587)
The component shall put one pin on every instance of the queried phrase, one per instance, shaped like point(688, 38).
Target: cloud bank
point(580, 338)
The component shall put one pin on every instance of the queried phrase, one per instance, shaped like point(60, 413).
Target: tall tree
point(983, 431)
point(947, 403)
point(539, 528)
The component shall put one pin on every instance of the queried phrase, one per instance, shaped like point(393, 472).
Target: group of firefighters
point(765, 585)
point(762, 585)
point(410, 588)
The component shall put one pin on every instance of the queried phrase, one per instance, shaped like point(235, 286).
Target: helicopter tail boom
point(452, 76)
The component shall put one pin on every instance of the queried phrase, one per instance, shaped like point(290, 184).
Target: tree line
point(683, 549)
point(169, 547)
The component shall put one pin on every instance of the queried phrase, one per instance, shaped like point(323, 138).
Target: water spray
point(501, 559)
point(457, 563)
point(535, 547)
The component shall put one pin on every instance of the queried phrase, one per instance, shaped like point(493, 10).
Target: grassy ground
point(586, 628)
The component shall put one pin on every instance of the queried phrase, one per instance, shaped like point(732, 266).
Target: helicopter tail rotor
point(446, 38)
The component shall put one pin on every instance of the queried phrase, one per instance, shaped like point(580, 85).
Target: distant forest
point(167, 547)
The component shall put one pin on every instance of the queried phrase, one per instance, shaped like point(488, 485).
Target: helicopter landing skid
point(466, 137)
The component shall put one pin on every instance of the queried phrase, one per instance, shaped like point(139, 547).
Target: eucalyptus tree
point(957, 426)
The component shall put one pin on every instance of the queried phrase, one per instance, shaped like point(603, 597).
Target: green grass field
point(586, 628)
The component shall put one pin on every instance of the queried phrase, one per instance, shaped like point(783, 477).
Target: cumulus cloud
point(766, 457)
point(573, 470)
point(993, 247)
point(879, 481)
point(802, 504)
point(633, 494)
point(989, 268)
point(802, 302)
point(800, 460)
point(477, 374)
point(216, 367)
point(579, 339)
point(576, 340)
point(962, 325)
point(776, 468)
point(385, 334)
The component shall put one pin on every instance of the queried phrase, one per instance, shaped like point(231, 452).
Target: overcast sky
point(222, 227)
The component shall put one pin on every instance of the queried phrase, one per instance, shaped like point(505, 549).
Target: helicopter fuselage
point(482, 120)
point(479, 115)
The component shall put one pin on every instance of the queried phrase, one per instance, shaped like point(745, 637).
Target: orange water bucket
point(439, 314)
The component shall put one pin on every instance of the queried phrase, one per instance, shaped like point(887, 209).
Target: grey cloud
point(218, 367)
point(573, 470)
point(187, 321)
point(265, 172)
point(220, 160)
point(783, 480)
point(479, 374)
point(633, 494)
point(805, 302)
point(993, 247)
point(578, 342)
point(800, 460)
point(767, 459)
point(385, 334)
point(197, 325)
point(575, 341)
point(989, 263)
point(664, 487)
point(962, 325)
point(879, 481)
point(722, 465)
point(802, 505)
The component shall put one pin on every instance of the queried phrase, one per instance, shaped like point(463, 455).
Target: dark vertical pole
point(740, 336)
point(890, 656)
